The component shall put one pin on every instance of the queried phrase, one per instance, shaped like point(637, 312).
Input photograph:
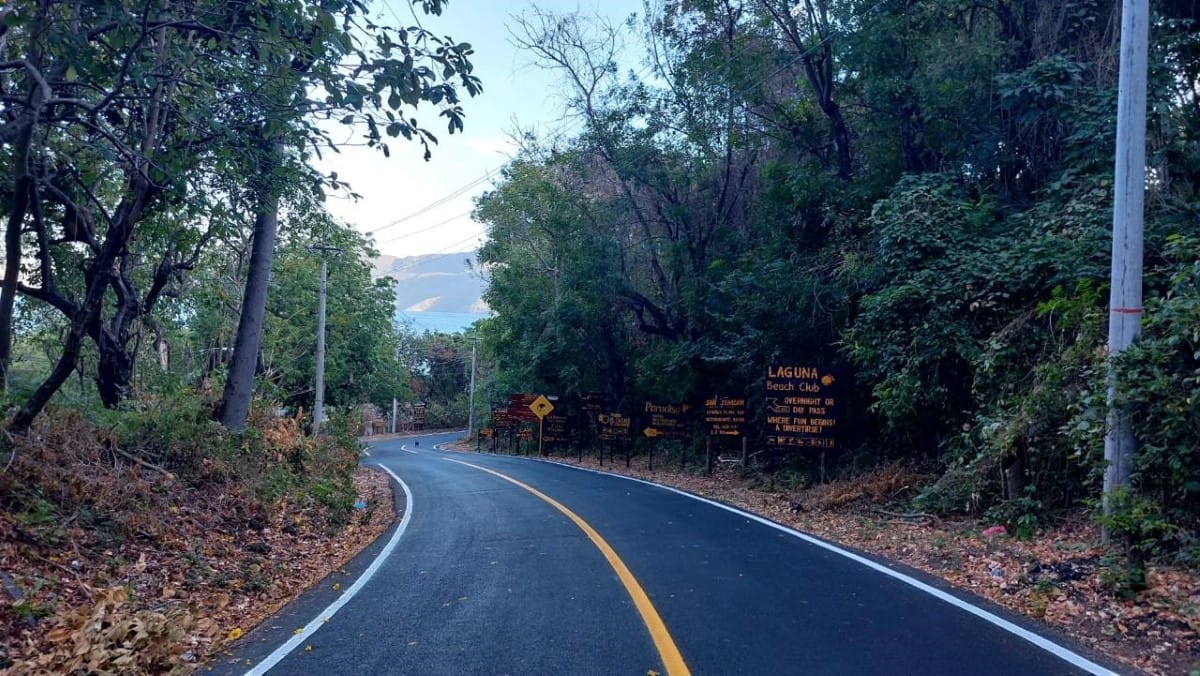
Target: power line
point(440, 201)
point(423, 230)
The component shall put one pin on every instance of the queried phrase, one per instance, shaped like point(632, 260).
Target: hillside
point(440, 292)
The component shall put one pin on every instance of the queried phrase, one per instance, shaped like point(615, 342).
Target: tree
point(311, 55)
point(139, 127)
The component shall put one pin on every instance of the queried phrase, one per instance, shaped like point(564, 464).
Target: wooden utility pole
point(1125, 300)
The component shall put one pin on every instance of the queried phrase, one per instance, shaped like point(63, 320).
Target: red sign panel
point(519, 407)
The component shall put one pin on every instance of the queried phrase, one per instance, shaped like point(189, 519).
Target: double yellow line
point(671, 658)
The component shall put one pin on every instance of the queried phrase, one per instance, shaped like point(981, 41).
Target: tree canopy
point(919, 194)
point(146, 141)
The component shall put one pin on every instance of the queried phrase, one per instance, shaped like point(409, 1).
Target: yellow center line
point(671, 658)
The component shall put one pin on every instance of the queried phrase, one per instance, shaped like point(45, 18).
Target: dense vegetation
point(917, 193)
point(162, 212)
point(163, 228)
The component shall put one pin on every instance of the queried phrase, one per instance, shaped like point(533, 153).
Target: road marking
point(409, 450)
point(1063, 653)
point(317, 622)
point(671, 657)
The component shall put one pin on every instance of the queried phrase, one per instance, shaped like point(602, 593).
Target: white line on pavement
point(1042, 642)
point(311, 628)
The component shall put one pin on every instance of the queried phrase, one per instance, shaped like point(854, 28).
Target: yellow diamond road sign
point(541, 406)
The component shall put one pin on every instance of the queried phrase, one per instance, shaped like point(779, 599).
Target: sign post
point(541, 407)
point(418, 415)
point(501, 423)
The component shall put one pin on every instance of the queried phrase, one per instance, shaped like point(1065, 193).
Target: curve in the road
point(309, 629)
point(672, 659)
point(1063, 653)
point(690, 616)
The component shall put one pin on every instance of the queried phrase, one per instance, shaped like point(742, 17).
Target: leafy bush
point(1159, 380)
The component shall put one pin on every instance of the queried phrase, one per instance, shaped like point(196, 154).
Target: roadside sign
point(541, 406)
point(500, 418)
point(520, 407)
point(486, 432)
point(595, 402)
point(725, 416)
point(668, 421)
point(801, 403)
point(555, 431)
point(614, 426)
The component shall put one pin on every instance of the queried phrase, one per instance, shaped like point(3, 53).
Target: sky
point(413, 207)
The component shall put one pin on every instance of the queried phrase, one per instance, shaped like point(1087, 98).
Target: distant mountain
point(437, 292)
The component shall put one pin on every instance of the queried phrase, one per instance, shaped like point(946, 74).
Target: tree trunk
point(239, 385)
point(114, 372)
point(62, 370)
point(23, 188)
point(85, 317)
point(1013, 465)
point(12, 271)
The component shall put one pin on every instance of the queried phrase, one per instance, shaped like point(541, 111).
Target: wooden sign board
point(595, 403)
point(666, 421)
point(500, 418)
point(520, 407)
point(614, 426)
point(725, 416)
point(554, 429)
point(801, 407)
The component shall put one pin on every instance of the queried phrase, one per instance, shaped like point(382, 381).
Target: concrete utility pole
point(319, 404)
point(471, 397)
point(1125, 301)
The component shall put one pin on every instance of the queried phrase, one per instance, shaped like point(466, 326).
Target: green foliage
point(936, 288)
point(1159, 379)
point(173, 428)
point(190, 101)
point(1141, 523)
point(1019, 515)
point(705, 224)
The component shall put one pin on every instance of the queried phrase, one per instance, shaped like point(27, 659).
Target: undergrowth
point(81, 495)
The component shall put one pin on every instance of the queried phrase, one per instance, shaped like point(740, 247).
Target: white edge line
point(1042, 642)
point(317, 622)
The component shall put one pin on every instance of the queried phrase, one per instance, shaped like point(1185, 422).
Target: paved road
point(491, 577)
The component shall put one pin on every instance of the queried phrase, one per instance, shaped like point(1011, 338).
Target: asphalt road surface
point(507, 565)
